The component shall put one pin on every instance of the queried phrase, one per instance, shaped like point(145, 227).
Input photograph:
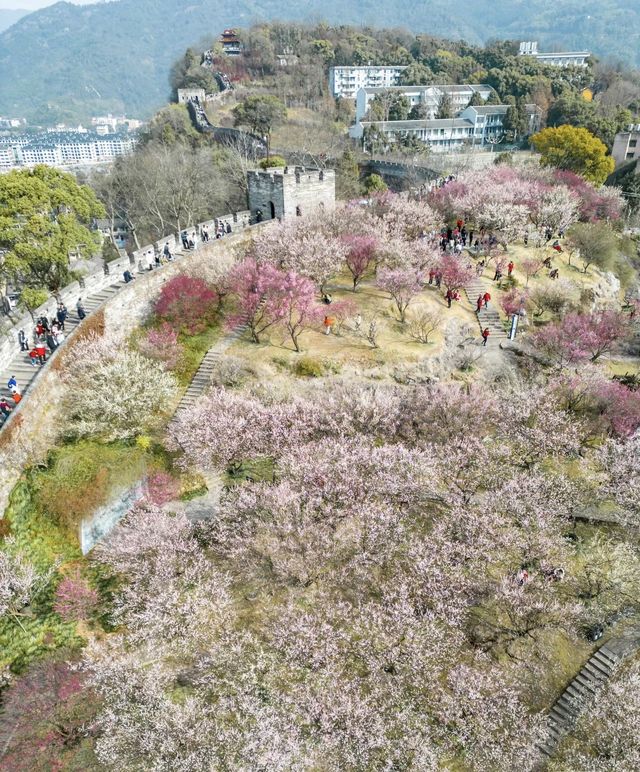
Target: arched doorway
point(272, 210)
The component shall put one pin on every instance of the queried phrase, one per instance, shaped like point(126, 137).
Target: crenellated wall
point(37, 422)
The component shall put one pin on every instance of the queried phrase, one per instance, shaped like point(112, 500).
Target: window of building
point(633, 143)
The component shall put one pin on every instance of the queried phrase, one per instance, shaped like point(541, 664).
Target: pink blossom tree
point(360, 256)
point(302, 309)
point(402, 286)
point(75, 600)
point(530, 267)
point(256, 288)
point(578, 337)
point(514, 301)
point(455, 272)
point(162, 344)
point(161, 488)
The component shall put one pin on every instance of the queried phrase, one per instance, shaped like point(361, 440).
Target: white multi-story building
point(560, 59)
point(345, 81)
point(626, 145)
point(474, 127)
point(63, 149)
point(429, 96)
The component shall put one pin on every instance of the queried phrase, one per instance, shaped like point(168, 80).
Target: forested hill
point(68, 61)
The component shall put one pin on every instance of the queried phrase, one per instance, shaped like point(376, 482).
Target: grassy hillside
point(68, 61)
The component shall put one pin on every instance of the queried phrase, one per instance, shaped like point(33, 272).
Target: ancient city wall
point(36, 423)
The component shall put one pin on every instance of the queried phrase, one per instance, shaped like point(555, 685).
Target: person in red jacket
point(486, 297)
point(510, 268)
point(41, 352)
point(449, 298)
point(485, 336)
point(479, 303)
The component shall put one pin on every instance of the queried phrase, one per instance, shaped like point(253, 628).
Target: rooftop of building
point(434, 123)
point(369, 66)
point(431, 87)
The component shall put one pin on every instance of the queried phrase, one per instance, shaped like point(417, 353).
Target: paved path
point(488, 317)
point(21, 367)
point(582, 691)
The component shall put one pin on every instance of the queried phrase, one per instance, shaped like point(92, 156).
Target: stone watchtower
point(287, 192)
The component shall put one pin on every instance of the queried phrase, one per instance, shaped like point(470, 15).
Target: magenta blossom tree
point(360, 257)
point(579, 337)
point(301, 308)
point(187, 304)
point(455, 272)
point(402, 286)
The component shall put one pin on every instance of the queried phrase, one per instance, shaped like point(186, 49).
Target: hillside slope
point(66, 60)
point(9, 16)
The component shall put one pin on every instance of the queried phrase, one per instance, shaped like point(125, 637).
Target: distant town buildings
point(626, 145)
point(63, 148)
point(562, 59)
point(231, 44)
point(110, 124)
point(429, 96)
point(11, 123)
point(473, 127)
point(346, 81)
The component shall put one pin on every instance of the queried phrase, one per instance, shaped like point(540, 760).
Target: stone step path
point(583, 689)
point(202, 378)
point(21, 367)
point(488, 317)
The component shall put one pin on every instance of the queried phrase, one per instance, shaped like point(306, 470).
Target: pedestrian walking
point(61, 315)
point(328, 324)
point(23, 341)
point(33, 357)
point(51, 342)
point(449, 298)
point(479, 303)
point(5, 408)
point(510, 268)
point(486, 297)
point(12, 383)
point(80, 309)
point(41, 351)
point(485, 336)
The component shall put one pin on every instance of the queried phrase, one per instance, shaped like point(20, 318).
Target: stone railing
point(94, 282)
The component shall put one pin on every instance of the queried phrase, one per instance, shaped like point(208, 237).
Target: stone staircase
point(584, 687)
point(202, 378)
point(21, 367)
point(488, 317)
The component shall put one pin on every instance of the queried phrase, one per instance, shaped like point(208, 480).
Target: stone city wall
point(36, 423)
point(94, 282)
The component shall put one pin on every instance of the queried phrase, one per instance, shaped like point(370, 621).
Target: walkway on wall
point(20, 365)
point(22, 369)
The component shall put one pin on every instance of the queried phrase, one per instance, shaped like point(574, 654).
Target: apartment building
point(475, 127)
point(558, 59)
point(429, 96)
point(345, 81)
point(65, 148)
point(626, 145)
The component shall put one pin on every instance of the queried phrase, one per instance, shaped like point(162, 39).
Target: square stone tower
point(288, 192)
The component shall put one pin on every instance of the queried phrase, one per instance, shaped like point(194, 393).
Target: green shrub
point(309, 367)
point(81, 477)
point(274, 161)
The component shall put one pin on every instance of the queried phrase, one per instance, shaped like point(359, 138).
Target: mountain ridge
point(69, 59)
